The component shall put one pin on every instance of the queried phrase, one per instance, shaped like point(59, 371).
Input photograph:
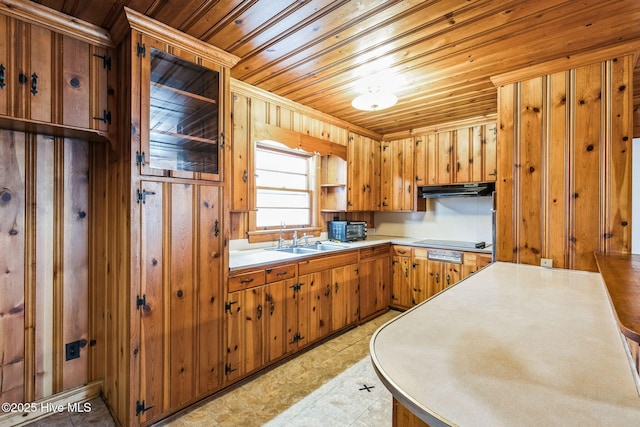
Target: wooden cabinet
point(54, 82)
point(241, 154)
point(398, 178)
point(375, 280)
point(462, 155)
point(319, 285)
point(417, 278)
point(402, 277)
point(363, 174)
point(182, 124)
point(297, 317)
point(179, 302)
point(333, 184)
point(344, 297)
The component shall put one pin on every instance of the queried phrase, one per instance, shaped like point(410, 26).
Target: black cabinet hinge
point(141, 302)
point(297, 337)
point(227, 305)
point(222, 140)
point(141, 196)
point(139, 158)
point(141, 408)
point(296, 287)
point(228, 369)
point(141, 50)
point(106, 61)
point(106, 117)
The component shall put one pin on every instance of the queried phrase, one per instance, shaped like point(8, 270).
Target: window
point(283, 190)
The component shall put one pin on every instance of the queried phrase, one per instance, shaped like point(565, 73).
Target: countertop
point(241, 259)
point(511, 345)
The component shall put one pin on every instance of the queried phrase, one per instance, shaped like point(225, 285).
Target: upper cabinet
point(180, 102)
point(363, 174)
point(53, 82)
point(462, 155)
point(397, 188)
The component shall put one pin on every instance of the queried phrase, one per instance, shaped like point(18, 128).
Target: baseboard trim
point(58, 402)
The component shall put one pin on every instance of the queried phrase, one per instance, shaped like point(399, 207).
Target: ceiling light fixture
point(375, 99)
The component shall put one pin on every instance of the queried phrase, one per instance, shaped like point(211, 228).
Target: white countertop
point(511, 345)
point(259, 257)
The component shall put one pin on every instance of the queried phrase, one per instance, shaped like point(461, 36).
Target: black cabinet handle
point(180, 293)
point(259, 311)
point(245, 176)
point(437, 278)
point(272, 307)
point(2, 83)
point(216, 228)
point(34, 84)
point(245, 281)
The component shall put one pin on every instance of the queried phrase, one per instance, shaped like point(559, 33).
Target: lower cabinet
point(345, 301)
point(417, 278)
point(180, 300)
point(402, 417)
point(319, 285)
point(375, 280)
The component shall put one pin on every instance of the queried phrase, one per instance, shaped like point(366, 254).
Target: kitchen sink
point(328, 247)
point(297, 250)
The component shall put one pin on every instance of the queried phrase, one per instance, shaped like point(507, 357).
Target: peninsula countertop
point(511, 345)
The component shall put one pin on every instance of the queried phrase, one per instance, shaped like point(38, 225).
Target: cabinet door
point(344, 298)
point(463, 165)
point(435, 274)
point(363, 176)
point(245, 332)
point(401, 291)
point(420, 279)
point(210, 291)
point(319, 284)
point(32, 72)
point(443, 157)
point(241, 154)
point(489, 152)
point(181, 113)
point(375, 286)
point(297, 317)
point(152, 313)
point(452, 274)
point(274, 307)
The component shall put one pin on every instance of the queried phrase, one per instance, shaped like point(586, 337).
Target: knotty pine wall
point(564, 165)
point(45, 221)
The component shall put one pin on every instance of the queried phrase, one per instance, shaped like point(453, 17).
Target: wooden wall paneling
point(586, 154)
point(557, 169)
point(30, 287)
point(181, 296)
point(75, 296)
point(506, 185)
point(210, 290)
point(12, 235)
point(44, 233)
point(75, 84)
point(530, 169)
point(153, 325)
point(618, 159)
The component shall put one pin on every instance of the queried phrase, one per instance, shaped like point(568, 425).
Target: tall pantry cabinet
point(164, 205)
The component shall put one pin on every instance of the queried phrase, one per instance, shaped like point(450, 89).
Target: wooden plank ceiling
point(442, 53)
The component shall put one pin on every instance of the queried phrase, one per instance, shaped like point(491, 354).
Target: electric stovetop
point(453, 243)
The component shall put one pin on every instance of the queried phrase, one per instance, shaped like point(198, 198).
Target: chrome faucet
point(294, 243)
point(280, 239)
point(305, 237)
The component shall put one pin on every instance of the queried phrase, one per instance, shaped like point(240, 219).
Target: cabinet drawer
point(421, 253)
point(327, 262)
point(246, 280)
point(374, 251)
point(399, 250)
point(280, 273)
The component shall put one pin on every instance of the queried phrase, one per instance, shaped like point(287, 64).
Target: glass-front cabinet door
point(182, 127)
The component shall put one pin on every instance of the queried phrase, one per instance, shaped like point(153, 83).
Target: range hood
point(456, 190)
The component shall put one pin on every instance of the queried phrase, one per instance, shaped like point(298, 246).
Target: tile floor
point(330, 385)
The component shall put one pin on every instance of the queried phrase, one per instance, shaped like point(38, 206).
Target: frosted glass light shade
point(374, 101)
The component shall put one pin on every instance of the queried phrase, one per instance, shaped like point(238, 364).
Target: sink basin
point(328, 247)
point(297, 250)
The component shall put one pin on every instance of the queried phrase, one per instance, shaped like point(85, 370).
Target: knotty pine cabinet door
point(397, 175)
point(180, 300)
point(319, 284)
point(375, 286)
point(402, 277)
point(297, 317)
point(344, 298)
point(47, 78)
point(363, 174)
point(275, 295)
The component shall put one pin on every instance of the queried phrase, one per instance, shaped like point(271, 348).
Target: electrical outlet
point(546, 262)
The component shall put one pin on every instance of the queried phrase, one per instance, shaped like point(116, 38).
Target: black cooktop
point(453, 243)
